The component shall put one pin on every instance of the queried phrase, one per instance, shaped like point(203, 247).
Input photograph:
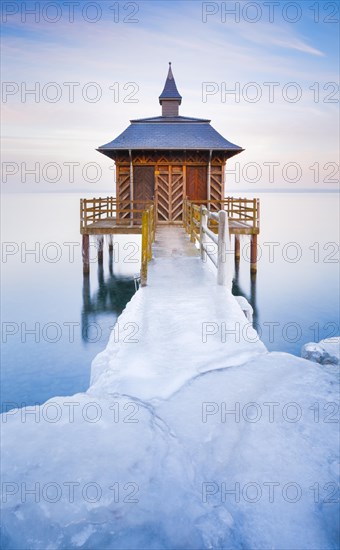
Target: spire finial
point(170, 99)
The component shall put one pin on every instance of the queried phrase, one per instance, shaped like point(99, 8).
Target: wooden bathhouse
point(169, 170)
point(169, 158)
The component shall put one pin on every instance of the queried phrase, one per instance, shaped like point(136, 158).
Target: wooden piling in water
point(100, 246)
point(86, 254)
point(110, 243)
point(237, 248)
point(253, 254)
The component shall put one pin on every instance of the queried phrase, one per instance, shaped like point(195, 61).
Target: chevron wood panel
point(198, 157)
point(123, 185)
point(218, 158)
point(174, 171)
point(144, 158)
point(163, 193)
point(216, 184)
point(176, 193)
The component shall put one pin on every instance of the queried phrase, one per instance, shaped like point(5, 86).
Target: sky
point(74, 73)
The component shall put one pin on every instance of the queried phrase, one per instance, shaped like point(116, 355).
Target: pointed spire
point(170, 89)
point(170, 98)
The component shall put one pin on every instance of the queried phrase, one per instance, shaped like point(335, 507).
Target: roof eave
point(173, 120)
point(107, 150)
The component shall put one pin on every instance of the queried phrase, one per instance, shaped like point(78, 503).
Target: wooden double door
point(169, 185)
point(144, 183)
point(196, 184)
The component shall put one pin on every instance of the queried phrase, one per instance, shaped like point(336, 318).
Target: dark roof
point(170, 133)
point(170, 89)
point(163, 119)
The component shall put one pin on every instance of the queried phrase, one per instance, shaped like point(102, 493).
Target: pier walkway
point(180, 325)
point(201, 220)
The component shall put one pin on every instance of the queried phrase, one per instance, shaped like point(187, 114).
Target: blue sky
point(286, 49)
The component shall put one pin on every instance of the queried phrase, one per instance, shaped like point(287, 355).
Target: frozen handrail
point(222, 240)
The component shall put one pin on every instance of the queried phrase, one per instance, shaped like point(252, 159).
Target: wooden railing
point(241, 212)
point(148, 237)
point(222, 240)
point(213, 245)
point(122, 212)
point(139, 216)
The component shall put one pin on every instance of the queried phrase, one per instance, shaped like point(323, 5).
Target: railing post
point(254, 213)
point(185, 214)
point(155, 211)
point(153, 220)
point(203, 226)
point(223, 275)
point(144, 266)
point(150, 234)
point(81, 215)
point(192, 235)
point(190, 214)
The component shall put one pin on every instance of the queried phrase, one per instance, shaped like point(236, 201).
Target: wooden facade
point(169, 178)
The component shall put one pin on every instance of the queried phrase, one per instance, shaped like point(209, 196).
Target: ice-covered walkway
point(180, 325)
point(188, 437)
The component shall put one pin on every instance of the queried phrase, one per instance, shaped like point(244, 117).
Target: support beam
point(131, 185)
point(253, 297)
point(100, 247)
point(203, 226)
point(110, 243)
point(209, 180)
point(86, 306)
point(253, 254)
point(111, 261)
point(224, 277)
point(86, 254)
point(237, 248)
point(145, 248)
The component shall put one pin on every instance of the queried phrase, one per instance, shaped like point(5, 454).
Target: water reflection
point(251, 297)
point(111, 296)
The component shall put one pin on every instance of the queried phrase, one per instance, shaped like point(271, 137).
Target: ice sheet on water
point(326, 352)
point(174, 464)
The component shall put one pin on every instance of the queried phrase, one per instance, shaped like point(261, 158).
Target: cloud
point(267, 34)
point(108, 53)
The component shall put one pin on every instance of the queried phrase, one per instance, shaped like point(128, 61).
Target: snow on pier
point(188, 437)
point(180, 325)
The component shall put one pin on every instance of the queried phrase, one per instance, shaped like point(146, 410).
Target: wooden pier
point(202, 220)
point(243, 219)
point(107, 216)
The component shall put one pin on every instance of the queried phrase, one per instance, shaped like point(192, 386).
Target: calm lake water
point(54, 322)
